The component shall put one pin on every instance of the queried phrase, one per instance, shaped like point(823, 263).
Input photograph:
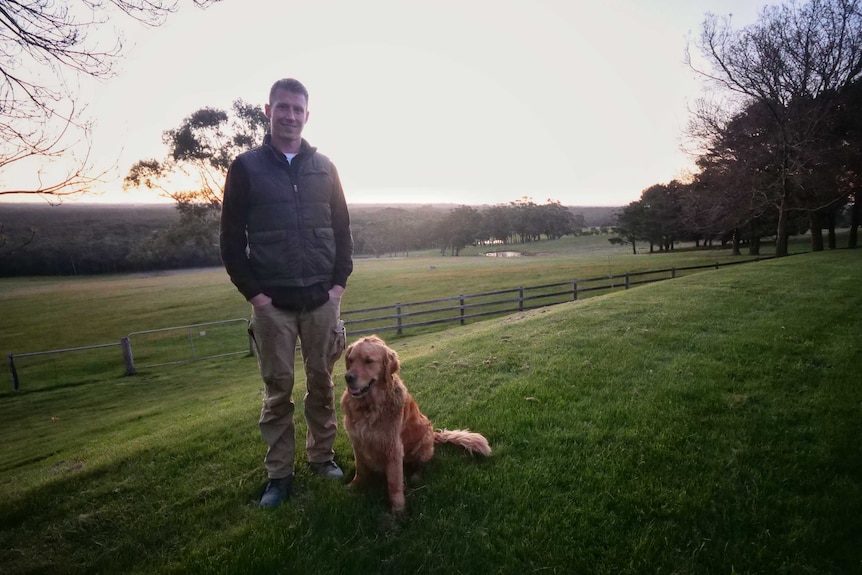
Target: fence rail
point(192, 333)
point(160, 343)
point(153, 348)
point(458, 309)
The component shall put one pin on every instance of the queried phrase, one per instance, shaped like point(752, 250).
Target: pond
point(506, 254)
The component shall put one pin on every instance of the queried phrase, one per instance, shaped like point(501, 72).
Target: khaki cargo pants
point(322, 339)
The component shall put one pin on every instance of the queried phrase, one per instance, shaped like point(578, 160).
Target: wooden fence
point(417, 316)
point(143, 349)
point(459, 309)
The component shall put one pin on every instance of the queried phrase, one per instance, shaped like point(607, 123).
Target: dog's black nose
point(350, 377)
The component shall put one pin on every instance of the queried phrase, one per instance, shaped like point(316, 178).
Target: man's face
point(287, 115)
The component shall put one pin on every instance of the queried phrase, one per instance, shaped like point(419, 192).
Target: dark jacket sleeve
point(232, 231)
point(343, 236)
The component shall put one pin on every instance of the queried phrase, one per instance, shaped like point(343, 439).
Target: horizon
point(363, 196)
point(171, 204)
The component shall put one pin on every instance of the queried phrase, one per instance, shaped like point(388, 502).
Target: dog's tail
point(472, 442)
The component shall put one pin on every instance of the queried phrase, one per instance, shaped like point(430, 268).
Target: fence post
point(627, 280)
point(520, 299)
point(13, 371)
point(672, 273)
point(192, 343)
point(575, 290)
point(398, 317)
point(461, 311)
point(128, 358)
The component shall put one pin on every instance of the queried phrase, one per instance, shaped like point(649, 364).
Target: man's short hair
point(290, 85)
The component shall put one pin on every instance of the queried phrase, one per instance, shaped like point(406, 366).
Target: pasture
point(708, 424)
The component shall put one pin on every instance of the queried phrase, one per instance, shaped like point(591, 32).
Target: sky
point(475, 102)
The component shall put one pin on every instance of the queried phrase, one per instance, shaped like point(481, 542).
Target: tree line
point(782, 153)
point(394, 230)
point(89, 239)
point(72, 239)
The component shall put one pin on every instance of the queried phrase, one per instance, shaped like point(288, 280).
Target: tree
point(631, 224)
point(557, 221)
point(44, 45)
point(200, 151)
point(17, 242)
point(840, 167)
point(736, 190)
point(458, 229)
point(526, 219)
point(496, 225)
point(661, 215)
point(387, 231)
point(795, 61)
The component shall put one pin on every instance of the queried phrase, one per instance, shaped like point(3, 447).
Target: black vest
point(290, 237)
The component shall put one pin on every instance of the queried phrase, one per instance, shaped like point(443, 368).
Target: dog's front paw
point(398, 504)
point(415, 478)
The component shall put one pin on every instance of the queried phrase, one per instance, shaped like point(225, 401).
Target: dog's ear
point(347, 353)
point(392, 363)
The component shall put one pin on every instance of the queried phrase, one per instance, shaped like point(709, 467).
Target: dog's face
point(369, 362)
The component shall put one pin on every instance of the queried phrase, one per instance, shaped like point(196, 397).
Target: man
point(286, 244)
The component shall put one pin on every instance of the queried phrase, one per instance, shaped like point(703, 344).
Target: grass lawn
point(709, 424)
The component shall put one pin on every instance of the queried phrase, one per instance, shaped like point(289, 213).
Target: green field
point(59, 313)
point(708, 424)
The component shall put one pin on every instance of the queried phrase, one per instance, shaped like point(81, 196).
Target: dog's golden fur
point(384, 423)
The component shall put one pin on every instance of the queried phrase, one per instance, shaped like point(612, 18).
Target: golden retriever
point(383, 422)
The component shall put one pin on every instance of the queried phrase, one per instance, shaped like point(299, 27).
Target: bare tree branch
point(44, 45)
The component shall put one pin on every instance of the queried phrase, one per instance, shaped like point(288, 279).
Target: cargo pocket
point(337, 344)
point(257, 326)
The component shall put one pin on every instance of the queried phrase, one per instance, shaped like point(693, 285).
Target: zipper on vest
point(298, 203)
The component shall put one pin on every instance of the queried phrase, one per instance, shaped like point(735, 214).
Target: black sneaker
point(277, 490)
point(328, 469)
